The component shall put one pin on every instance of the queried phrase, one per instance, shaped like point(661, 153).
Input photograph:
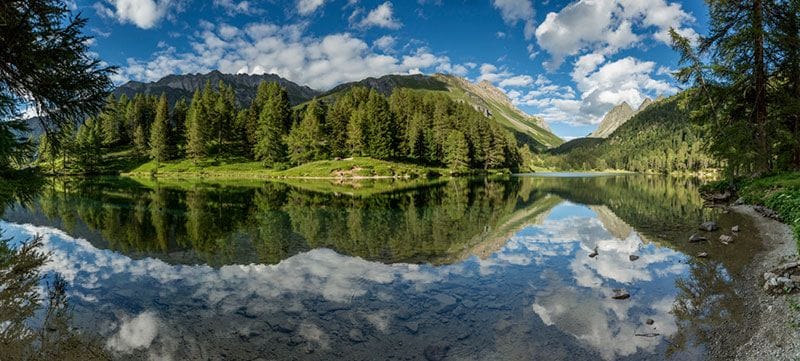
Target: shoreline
point(768, 317)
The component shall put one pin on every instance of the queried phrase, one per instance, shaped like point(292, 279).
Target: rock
point(735, 228)
point(709, 226)
point(446, 303)
point(620, 294)
point(702, 255)
point(721, 197)
point(768, 275)
point(697, 238)
point(594, 253)
point(795, 279)
point(789, 265)
point(412, 327)
point(356, 335)
point(725, 239)
point(649, 321)
point(633, 257)
point(739, 201)
point(436, 352)
point(766, 212)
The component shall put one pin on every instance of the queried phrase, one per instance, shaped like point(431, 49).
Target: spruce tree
point(308, 141)
point(380, 127)
point(159, 132)
point(276, 112)
point(456, 151)
point(196, 129)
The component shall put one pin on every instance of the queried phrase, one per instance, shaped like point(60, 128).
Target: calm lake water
point(483, 269)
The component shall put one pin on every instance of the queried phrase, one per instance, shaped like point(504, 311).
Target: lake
point(515, 268)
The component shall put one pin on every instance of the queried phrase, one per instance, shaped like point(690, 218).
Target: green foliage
point(456, 151)
point(159, 133)
point(276, 112)
point(196, 123)
point(308, 140)
point(780, 193)
point(46, 63)
point(88, 144)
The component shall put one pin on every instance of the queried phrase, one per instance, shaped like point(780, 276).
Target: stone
point(412, 327)
point(795, 279)
point(633, 257)
point(735, 228)
point(436, 352)
point(739, 201)
point(446, 303)
point(697, 238)
point(769, 275)
point(356, 335)
point(709, 226)
point(789, 265)
point(720, 197)
point(620, 294)
point(594, 253)
point(725, 239)
point(649, 321)
point(702, 255)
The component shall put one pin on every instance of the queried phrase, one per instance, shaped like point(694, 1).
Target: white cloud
point(142, 13)
point(306, 7)
point(385, 43)
point(237, 7)
point(320, 62)
point(382, 17)
point(607, 26)
point(136, 333)
point(513, 11)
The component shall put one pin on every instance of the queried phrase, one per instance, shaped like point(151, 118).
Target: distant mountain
point(659, 138)
point(484, 97)
point(615, 117)
point(245, 86)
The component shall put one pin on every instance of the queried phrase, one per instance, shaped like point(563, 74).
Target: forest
point(410, 126)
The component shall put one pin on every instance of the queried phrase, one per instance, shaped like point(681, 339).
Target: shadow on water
point(465, 269)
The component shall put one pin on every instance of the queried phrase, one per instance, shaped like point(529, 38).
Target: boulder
point(594, 253)
point(697, 238)
point(633, 257)
point(650, 321)
point(709, 226)
point(725, 239)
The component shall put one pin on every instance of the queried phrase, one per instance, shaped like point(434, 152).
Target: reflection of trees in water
point(706, 305)
point(23, 334)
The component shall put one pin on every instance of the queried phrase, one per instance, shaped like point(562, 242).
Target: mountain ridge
point(618, 116)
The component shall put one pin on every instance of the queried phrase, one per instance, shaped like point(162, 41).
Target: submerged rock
point(436, 352)
point(649, 321)
point(697, 238)
point(702, 255)
point(633, 257)
point(620, 294)
point(356, 335)
point(735, 228)
point(594, 253)
point(725, 239)
point(709, 226)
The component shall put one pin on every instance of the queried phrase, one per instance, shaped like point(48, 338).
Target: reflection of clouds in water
point(571, 298)
point(135, 333)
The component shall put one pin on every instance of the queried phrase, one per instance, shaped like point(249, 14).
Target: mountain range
point(483, 96)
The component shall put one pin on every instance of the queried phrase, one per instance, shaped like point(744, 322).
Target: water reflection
point(462, 270)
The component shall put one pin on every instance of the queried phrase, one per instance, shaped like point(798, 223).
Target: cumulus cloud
point(135, 333)
point(307, 7)
point(320, 62)
point(142, 13)
point(607, 26)
point(237, 7)
point(382, 17)
point(514, 11)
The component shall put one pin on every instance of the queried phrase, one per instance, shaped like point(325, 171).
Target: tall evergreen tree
point(196, 129)
point(380, 127)
point(456, 151)
point(308, 141)
point(276, 112)
point(178, 125)
point(159, 132)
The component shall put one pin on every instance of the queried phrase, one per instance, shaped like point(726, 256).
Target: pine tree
point(380, 127)
point(270, 147)
point(456, 151)
point(196, 129)
point(308, 141)
point(356, 133)
point(159, 133)
point(88, 142)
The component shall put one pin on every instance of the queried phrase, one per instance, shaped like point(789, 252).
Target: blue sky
point(567, 61)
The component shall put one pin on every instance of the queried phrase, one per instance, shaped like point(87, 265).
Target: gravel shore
point(773, 323)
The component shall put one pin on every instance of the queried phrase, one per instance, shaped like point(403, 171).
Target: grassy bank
point(780, 193)
point(235, 168)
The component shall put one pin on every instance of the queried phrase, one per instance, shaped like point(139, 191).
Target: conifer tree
point(196, 129)
point(270, 147)
point(380, 127)
point(159, 132)
point(456, 151)
point(307, 141)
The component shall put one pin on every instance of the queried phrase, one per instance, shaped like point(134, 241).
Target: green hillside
point(659, 139)
point(484, 97)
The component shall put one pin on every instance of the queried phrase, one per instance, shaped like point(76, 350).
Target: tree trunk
point(760, 88)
